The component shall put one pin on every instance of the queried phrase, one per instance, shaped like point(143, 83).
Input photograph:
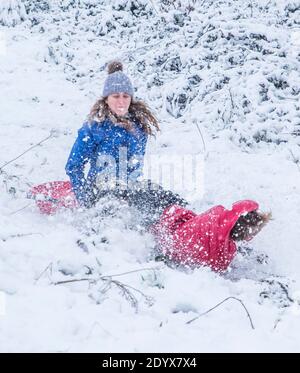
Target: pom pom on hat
point(114, 66)
point(117, 81)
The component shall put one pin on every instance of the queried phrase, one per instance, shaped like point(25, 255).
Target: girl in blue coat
point(113, 142)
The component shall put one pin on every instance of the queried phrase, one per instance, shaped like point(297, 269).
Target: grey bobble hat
point(117, 81)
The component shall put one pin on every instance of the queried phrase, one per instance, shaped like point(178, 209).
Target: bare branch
point(49, 267)
point(90, 280)
point(52, 134)
point(296, 161)
point(23, 208)
point(134, 271)
point(223, 301)
point(203, 142)
point(19, 235)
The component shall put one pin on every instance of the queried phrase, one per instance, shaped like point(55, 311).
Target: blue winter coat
point(112, 151)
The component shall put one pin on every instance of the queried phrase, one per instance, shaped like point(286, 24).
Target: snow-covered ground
point(145, 305)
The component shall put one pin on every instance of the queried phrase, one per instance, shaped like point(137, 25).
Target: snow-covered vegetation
point(223, 79)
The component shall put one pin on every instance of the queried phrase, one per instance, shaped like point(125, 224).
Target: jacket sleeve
point(81, 153)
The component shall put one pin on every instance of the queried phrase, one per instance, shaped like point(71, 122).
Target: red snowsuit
point(193, 240)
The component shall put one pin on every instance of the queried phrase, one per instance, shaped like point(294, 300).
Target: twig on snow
point(49, 267)
point(134, 271)
point(19, 235)
point(296, 161)
point(223, 301)
point(23, 208)
point(203, 142)
point(92, 281)
point(108, 282)
point(52, 134)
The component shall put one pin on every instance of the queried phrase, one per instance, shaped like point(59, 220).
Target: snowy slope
point(229, 67)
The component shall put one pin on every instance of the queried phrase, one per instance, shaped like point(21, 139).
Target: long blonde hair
point(137, 109)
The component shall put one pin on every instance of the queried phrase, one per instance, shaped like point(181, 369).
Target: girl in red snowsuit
point(191, 239)
point(209, 238)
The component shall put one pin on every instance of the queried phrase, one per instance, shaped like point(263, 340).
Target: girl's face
point(119, 103)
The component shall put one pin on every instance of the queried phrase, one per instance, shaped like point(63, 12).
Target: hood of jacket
point(194, 239)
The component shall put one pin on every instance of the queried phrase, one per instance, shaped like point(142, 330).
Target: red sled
point(53, 196)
